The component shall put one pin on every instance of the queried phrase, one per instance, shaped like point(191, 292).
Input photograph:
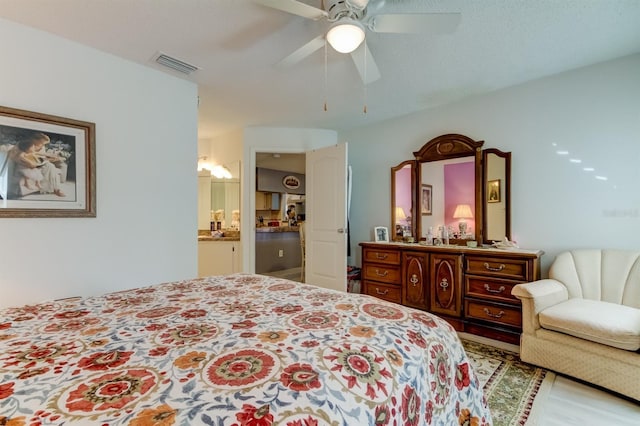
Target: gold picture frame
point(426, 200)
point(493, 191)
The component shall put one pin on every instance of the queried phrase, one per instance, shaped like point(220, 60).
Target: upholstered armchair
point(584, 321)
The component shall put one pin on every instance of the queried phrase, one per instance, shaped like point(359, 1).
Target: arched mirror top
point(448, 146)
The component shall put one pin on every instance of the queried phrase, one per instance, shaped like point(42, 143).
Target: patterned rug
point(515, 390)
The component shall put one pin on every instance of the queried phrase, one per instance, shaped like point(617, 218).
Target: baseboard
point(491, 342)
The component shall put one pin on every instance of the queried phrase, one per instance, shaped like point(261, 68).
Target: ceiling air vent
point(176, 64)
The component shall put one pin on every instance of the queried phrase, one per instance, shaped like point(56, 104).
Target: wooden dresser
point(469, 287)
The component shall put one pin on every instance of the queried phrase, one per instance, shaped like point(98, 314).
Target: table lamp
point(462, 212)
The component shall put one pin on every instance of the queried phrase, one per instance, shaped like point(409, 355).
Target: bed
point(240, 349)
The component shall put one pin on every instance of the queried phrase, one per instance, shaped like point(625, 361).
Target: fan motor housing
point(338, 9)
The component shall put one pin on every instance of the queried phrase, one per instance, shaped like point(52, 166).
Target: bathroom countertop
point(277, 229)
point(228, 235)
point(210, 238)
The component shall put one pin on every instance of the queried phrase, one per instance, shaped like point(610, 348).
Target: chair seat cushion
point(601, 322)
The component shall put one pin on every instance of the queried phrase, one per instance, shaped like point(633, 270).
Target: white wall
point(593, 112)
point(270, 139)
point(146, 144)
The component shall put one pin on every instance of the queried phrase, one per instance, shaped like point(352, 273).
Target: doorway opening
point(280, 214)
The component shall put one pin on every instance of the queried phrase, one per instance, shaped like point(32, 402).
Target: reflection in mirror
point(225, 199)
point(453, 196)
point(451, 171)
point(497, 195)
point(402, 200)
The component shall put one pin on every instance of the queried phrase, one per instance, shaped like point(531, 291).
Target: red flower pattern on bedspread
point(233, 350)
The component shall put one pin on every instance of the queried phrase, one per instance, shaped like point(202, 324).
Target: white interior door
point(326, 217)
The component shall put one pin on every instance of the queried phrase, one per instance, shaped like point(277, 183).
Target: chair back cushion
point(607, 275)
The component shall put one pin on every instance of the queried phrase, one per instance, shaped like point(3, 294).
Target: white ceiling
point(236, 43)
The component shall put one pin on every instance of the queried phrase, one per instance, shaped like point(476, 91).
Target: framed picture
point(47, 165)
point(493, 191)
point(381, 234)
point(426, 200)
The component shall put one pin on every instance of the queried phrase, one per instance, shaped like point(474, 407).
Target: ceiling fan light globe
point(346, 37)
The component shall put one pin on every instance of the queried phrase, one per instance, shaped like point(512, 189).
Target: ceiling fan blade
point(294, 7)
point(370, 72)
point(418, 23)
point(302, 52)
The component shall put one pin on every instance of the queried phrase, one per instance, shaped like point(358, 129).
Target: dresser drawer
point(493, 312)
point(499, 267)
point(386, 256)
point(391, 293)
point(490, 289)
point(383, 273)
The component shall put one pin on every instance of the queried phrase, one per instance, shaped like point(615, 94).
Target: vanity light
point(462, 212)
point(203, 164)
point(346, 35)
point(221, 172)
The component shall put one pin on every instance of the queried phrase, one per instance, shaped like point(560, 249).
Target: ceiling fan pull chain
point(364, 110)
point(325, 75)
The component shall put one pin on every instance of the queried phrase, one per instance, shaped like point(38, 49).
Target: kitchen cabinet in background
point(267, 201)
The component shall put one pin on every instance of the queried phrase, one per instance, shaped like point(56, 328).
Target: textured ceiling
point(499, 43)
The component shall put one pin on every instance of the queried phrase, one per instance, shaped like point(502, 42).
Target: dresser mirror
point(497, 195)
point(452, 182)
point(450, 191)
point(403, 200)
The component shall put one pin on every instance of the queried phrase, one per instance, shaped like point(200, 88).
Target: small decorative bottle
point(430, 236)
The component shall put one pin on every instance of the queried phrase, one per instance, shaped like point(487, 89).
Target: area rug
point(515, 390)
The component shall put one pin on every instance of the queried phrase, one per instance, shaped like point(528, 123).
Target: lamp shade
point(400, 215)
point(463, 211)
point(345, 35)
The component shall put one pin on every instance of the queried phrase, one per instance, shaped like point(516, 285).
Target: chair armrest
point(537, 296)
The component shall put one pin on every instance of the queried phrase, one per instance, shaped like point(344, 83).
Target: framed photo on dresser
point(381, 234)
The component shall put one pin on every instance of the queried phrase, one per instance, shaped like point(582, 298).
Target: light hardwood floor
point(572, 403)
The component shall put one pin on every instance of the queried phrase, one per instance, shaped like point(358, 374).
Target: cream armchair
point(584, 321)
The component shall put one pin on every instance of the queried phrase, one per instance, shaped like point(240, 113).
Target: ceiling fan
point(348, 21)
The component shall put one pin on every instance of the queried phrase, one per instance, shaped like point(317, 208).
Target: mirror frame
point(507, 190)
point(446, 147)
point(395, 169)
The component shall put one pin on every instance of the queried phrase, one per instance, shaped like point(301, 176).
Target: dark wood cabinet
point(414, 279)
point(446, 284)
point(469, 287)
point(381, 273)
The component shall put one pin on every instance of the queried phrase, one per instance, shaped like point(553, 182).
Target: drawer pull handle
point(498, 315)
point(381, 256)
point(444, 284)
point(414, 280)
point(383, 274)
point(492, 269)
point(491, 290)
point(381, 293)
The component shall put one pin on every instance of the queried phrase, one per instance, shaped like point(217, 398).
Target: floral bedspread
point(233, 350)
